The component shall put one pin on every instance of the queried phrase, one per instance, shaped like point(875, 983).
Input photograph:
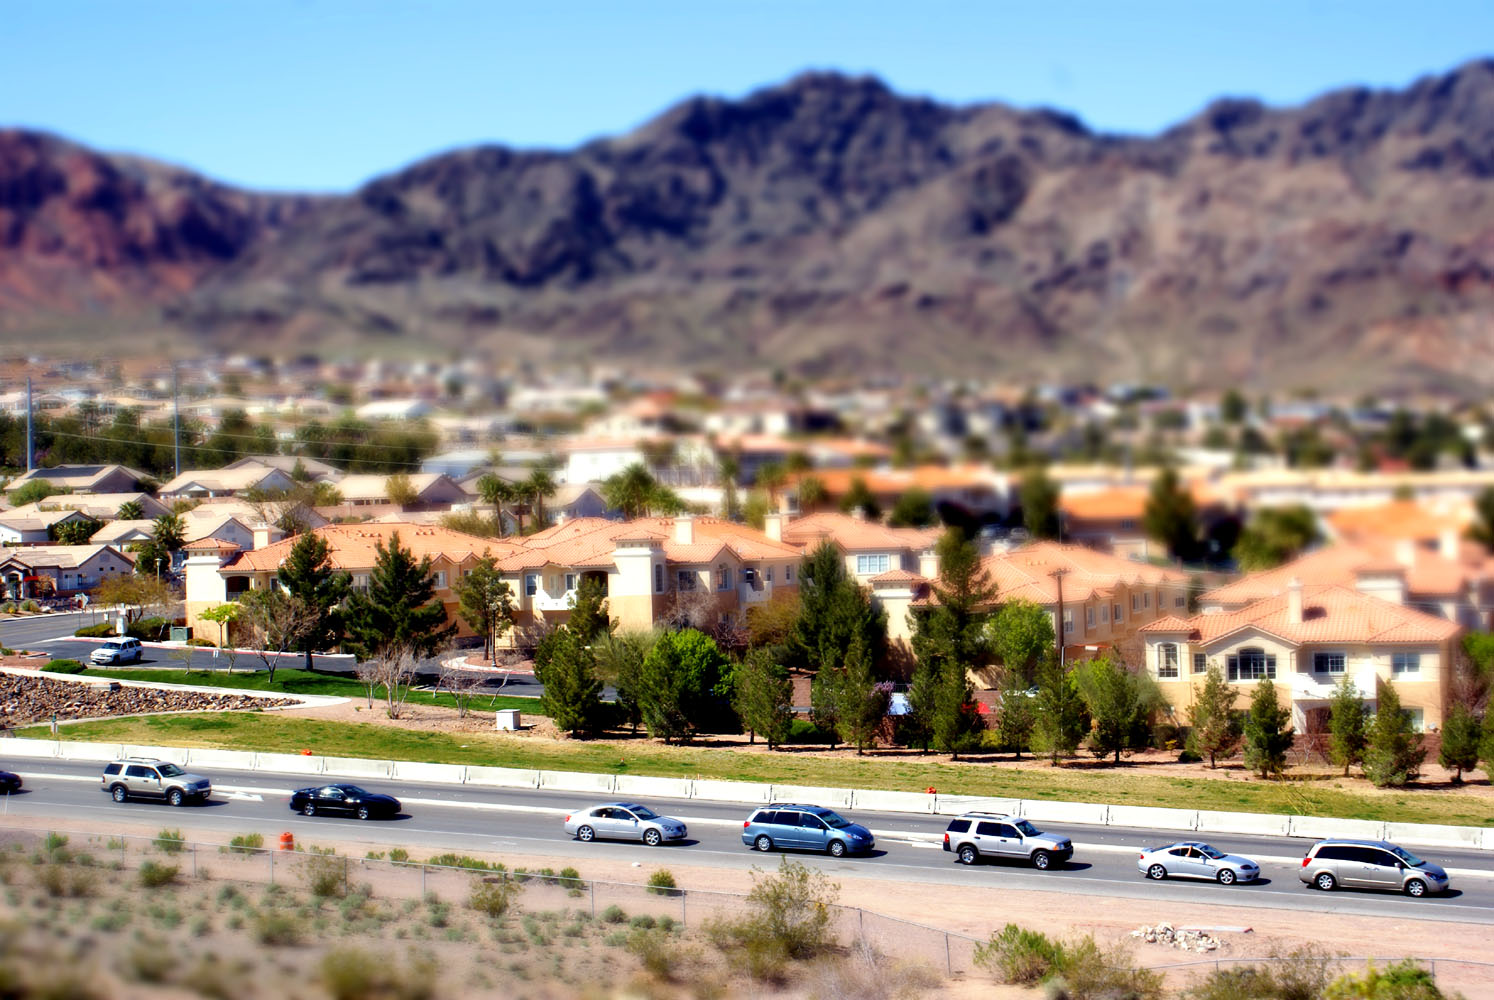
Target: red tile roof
point(856, 534)
point(1329, 614)
point(589, 543)
point(1027, 573)
point(1426, 571)
point(354, 546)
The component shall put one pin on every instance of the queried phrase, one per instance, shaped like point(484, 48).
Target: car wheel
point(1156, 872)
point(586, 834)
point(969, 855)
point(175, 797)
point(309, 809)
point(119, 793)
point(363, 812)
point(1325, 881)
point(1226, 876)
point(1041, 860)
point(763, 842)
point(652, 837)
point(836, 849)
point(1416, 887)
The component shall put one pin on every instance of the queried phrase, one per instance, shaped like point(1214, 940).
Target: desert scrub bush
point(325, 874)
point(273, 927)
point(399, 855)
point(153, 875)
point(493, 897)
point(54, 843)
point(67, 880)
point(438, 914)
point(642, 922)
point(149, 960)
point(661, 883)
point(1404, 980)
point(659, 952)
point(449, 860)
point(571, 879)
point(169, 842)
point(614, 915)
point(863, 973)
point(1304, 974)
point(787, 919)
point(355, 974)
point(1019, 956)
point(1093, 972)
point(246, 843)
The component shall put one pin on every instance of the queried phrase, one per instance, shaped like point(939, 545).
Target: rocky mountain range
point(825, 225)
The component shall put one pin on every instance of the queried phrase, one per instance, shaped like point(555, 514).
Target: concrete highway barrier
point(288, 763)
point(834, 798)
point(1088, 813)
point(356, 767)
point(577, 781)
point(1155, 817)
point(1261, 824)
point(1318, 827)
point(731, 791)
point(953, 805)
point(1433, 835)
point(440, 774)
point(901, 802)
point(502, 777)
point(641, 786)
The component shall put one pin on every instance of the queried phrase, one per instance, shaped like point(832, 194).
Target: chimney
point(785, 503)
point(1405, 552)
point(859, 513)
point(928, 564)
point(773, 527)
point(684, 529)
point(1449, 544)
point(266, 534)
point(1294, 601)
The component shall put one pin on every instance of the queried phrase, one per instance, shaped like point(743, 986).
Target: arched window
point(1167, 660)
point(1250, 664)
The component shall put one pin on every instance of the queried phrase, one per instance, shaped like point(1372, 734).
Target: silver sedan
point(623, 821)
point(1192, 859)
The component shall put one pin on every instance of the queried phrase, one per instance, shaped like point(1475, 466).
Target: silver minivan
point(1370, 864)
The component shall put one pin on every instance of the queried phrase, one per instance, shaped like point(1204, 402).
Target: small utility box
point(508, 719)
point(180, 633)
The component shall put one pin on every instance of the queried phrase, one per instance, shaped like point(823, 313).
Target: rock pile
point(1181, 938)
point(28, 700)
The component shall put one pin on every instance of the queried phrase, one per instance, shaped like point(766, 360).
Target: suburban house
point(871, 548)
point(364, 495)
point(594, 459)
point(121, 533)
point(60, 569)
point(1110, 520)
point(971, 489)
point(1307, 639)
point(226, 482)
point(313, 468)
point(219, 570)
point(35, 527)
point(649, 568)
point(85, 479)
point(99, 506)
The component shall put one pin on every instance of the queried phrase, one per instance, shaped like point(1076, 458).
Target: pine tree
point(1268, 735)
point(1039, 498)
point(764, 697)
point(487, 604)
point(588, 618)
point(1486, 745)
point(1171, 516)
point(399, 609)
point(863, 701)
point(1394, 753)
point(308, 574)
point(917, 727)
point(833, 611)
point(1021, 636)
point(1018, 716)
point(1213, 728)
point(679, 684)
point(825, 701)
point(572, 697)
point(1346, 725)
point(1460, 741)
point(1118, 702)
point(1059, 725)
point(956, 724)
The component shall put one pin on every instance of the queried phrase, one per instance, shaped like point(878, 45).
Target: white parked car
point(121, 650)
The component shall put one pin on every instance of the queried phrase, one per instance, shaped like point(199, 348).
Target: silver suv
point(1370, 864)
point(974, 835)
point(144, 777)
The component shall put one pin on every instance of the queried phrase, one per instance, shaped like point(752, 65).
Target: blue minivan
point(805, 828)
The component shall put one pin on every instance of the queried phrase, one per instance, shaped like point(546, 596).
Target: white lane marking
point(244, 797)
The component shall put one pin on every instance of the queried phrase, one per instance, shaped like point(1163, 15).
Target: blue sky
point(323, 94)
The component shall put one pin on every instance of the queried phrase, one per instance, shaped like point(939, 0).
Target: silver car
point(1370, 864)
point(623, 821)
point(1192, 859)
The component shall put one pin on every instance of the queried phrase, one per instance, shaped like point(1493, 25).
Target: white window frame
point(531, 584)
point(1135, 603)
point(1146, 600)
point(440, 579)
point(1404, 663)
point(1261, 664)
point(1167, 660)
point(1323, 662)
point(1200, 663)
point(570, 582)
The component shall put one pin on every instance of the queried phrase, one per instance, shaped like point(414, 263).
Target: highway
point(523, 821)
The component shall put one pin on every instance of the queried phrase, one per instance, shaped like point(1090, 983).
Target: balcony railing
point(544, 601)
point(1309, 686)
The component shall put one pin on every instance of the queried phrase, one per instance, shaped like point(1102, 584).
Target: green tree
point(914, 509)
point(678, 689)
point(1481, 530)
point(588, 618)
point(1460, 741)
point(1018, 716)
point(74, 532)
point(400, 491)
point(130, 510)
point(499, 494)
point(859, 495)
point(728, 470)
point(308, 574)
point(275, 621)
point(636, 493)
point(1232, 407)
point(224, 615)
point(1268, 734)
point(399, 608)
point(572, 696)
point(811, 492)
point(1119, 703)
point(764, 697)
point(1039, 497)
point(833, 612)
point(538, 488)
point(955, 724)
point(1213, 728)
point(953, 631)
point(620, 657)
point(825, 701)
point(33, 492)
point(1171, 516)
point(1059, 724)
point(863, 699)
point(1276, 535)
point(1346, 725)
point(486, 602)
point(1393, 754)
point(1021, 636)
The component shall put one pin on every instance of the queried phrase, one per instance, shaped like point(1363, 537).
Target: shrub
point(571, 879)
point(1304, 974)
point(450, 860)
point(153, 875)
point(30, 605)
point(354, 974)
point(614, 915)
point(642, 922)
point(272, 927)
point(170, 842)
point(493, 897)
point(788, 917)
point(150, 960)
point(661, 883)
point(103, 630)
point(1019, 956)
point(148, 629)
point(246, 843)
point(1091, 972)
point(64, 667)
point(325, 874)
point(1405, 980)
point(398, 855)
point(53, 843)
point(658, 951)
point(194, 641)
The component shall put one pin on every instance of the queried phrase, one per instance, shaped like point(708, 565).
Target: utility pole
point(176, 422)
point(1058, 575)
point(30, 450)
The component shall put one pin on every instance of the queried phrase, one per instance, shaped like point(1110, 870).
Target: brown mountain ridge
point(826, 225)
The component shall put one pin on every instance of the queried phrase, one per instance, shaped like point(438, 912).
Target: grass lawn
point(1122, 786)
point(292, 681)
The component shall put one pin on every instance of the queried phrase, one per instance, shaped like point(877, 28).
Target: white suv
point(124, 649)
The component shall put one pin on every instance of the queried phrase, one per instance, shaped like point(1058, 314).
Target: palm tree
point(728, 468)
point(497, 493)
point(539, 485)
point(812, 493)
point(630, 491)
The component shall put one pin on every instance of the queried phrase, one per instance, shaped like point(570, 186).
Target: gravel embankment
point(28, 700)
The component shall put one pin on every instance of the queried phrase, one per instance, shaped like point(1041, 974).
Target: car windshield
point(352, 790)
point(170, 771)
point(1210, 852)
point(835, 820)
point(644, 812)
point(1028, 830)
point(1411, 860)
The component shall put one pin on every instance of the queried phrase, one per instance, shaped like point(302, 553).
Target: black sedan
point(347, 800)
point(9, 782)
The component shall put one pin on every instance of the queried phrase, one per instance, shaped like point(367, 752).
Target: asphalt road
point(469, 818)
